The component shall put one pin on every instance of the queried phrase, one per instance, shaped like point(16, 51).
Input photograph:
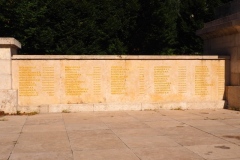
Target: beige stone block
point(206, 105)
point(184, 105)
point(235, 79)
point(28, 109)
point(233, 97)
point(5, 81)
point(8, 101)
point(5, 53)
point(70, 107)
point(164, 105)
point(118, 107)
point(5, 67)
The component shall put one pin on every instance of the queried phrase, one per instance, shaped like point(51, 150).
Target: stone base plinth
point(233, 97)
point(51, 108)
point(8, 101)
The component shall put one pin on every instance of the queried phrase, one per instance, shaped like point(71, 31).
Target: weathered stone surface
point(5, 67)
point(8, 101)
point(5, 81)
point(233, 96)
point(5, 53)
point(9, 42)
point(129, 84)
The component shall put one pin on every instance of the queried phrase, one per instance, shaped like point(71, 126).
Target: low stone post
point(8, 96)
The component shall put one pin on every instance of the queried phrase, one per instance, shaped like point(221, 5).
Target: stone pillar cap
point(9, 42)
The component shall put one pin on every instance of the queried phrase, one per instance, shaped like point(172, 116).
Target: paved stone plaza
point(129, 135)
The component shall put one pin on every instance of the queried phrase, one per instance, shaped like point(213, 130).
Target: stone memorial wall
point(118, 83)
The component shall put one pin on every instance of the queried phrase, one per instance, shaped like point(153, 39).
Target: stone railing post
point(8, 96)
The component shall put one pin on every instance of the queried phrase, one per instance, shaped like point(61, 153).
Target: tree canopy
point(106, 26)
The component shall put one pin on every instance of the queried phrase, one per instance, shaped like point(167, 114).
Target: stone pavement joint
point(123, 135)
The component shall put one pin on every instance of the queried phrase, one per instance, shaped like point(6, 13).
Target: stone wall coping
point(9, 42)
point(116, 57)
point(222, 20)
point(221, 27)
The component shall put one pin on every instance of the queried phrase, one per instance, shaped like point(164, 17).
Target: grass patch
point(32, 113)
point(3, 119)
point(178, 109)
point(66, 111)
point(235, 108)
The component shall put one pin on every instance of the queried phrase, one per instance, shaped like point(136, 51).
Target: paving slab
point(8, 138)
point(43, 156)
point(11, 129)
point(102, 141)
point(43, 128)
point(77, 127)
point(5, 150)
point(136, 132)
point(216, 151)
point(180, 130)
point(118, 119)
point(42, 142)
point(13, 120)
point(205, 122)
point(201, 139)
point(145, 135)
point(148, 142)
point(165, 124)
point(118, 154)
point(148, 116)
point(232, 122)
point(127, 125)
point(163, 153)
point(219, 129)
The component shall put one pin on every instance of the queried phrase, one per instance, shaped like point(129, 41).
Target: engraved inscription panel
point(202, 84)
point(141, 78)
point(162, 83)
point(221, 80)
point(74, 83)
point(37, 82)
point(117, 81)
point(29, 77)
point(182, 79)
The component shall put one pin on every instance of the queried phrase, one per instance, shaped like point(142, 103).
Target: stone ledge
point(53, 108)
point(9, 42)
point(115, 57)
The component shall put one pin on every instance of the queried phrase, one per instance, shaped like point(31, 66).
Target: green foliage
point(106, 26)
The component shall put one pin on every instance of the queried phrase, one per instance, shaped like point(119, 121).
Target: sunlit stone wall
point(119, 83)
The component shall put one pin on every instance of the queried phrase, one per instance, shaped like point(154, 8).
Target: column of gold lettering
point(28, 79)
point(182, 79)
point(162, 85)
